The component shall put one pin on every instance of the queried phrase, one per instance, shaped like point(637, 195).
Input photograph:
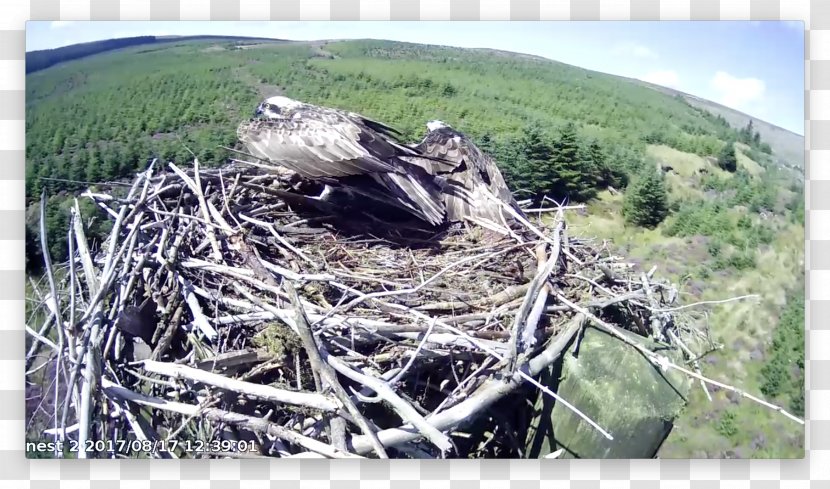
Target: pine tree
point(646, 200)
point(534, 147)
point(727, 159)
point(535, 171)
point(576, 177)
point(596, 163)
point(109, 165)
point(567, 145)
point(93, 167)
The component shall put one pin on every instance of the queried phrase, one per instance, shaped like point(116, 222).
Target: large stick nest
point(278, 326)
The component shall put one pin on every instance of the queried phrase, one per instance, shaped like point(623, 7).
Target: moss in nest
point(277, 339)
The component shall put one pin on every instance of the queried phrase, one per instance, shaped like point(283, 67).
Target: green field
point(726, 234)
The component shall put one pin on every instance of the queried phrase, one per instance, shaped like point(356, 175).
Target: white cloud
point(666, 78)
point(634, 49)
point(738, 93)
point(57, 24)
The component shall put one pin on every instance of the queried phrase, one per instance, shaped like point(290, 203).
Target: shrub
point(715, 247)
point(727, 426)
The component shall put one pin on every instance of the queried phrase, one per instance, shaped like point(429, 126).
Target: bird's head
point(435, 125)
point(276, 107)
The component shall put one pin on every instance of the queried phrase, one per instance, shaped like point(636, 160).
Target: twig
point(316, 357)
point(219, 415)
point(696, 304)
point(315, 401)
point(524, 327)
point(53, 291)
point(487, 394)
point(195, 185)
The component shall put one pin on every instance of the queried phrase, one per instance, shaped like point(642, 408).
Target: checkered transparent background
point(812, 472)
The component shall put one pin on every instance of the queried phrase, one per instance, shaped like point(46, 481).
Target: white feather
point(435, 125)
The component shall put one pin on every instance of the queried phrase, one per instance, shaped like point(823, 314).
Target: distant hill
point(42, 59)
point(125, 100)
point(788, 146)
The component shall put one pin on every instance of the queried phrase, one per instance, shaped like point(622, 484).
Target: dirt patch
point(161, 136)
point(695, 288)
point(696, 249)
point(260, 85)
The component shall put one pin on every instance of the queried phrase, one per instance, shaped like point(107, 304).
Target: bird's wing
point(492, 176)
point(318, 147)
point(439, 153)
point(464, 160)
point(470, 173)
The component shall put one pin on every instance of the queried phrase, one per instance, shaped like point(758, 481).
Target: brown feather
point(470, 169)
point(322, 143)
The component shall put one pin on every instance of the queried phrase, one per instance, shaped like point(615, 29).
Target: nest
point(281, 329)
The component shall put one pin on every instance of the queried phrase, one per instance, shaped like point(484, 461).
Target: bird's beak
point(258, 111)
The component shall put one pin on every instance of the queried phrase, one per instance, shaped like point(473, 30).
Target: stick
point(722, 301)
point(307, 399)
point(113, 390)
point(315, 356)
point(47, 260)
point(277, 235)
point(196, 187)
point(487, 394)
point(192, 302)
point(529, 304)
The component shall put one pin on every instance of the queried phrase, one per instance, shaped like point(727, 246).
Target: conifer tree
point(533, 171)
point(596, 163)
point(727, 159)
point(93, 167)
point(576, 177)
point(646, 200)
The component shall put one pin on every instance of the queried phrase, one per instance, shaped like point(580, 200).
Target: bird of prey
point(474, 187)
point(345, 150)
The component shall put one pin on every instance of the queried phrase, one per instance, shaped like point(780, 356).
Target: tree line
point(556, 130)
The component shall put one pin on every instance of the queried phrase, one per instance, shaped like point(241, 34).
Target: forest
point(556, 131)
point(42, 59)
point(105, 117)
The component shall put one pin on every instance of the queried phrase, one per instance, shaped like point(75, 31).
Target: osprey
point(346, 150)
point(475, 188)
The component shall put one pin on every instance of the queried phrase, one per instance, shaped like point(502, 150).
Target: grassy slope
point(788, 145)
point(745, 329)
point(406, 85)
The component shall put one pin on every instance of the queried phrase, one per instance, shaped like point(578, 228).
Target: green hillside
point(555, 129)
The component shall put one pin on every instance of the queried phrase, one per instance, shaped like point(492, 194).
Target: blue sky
point(754, 66)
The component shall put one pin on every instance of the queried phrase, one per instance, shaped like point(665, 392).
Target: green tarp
point(616, 386)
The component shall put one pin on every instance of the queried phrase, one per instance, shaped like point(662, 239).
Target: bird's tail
point(416, 194)
point(478, 205)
